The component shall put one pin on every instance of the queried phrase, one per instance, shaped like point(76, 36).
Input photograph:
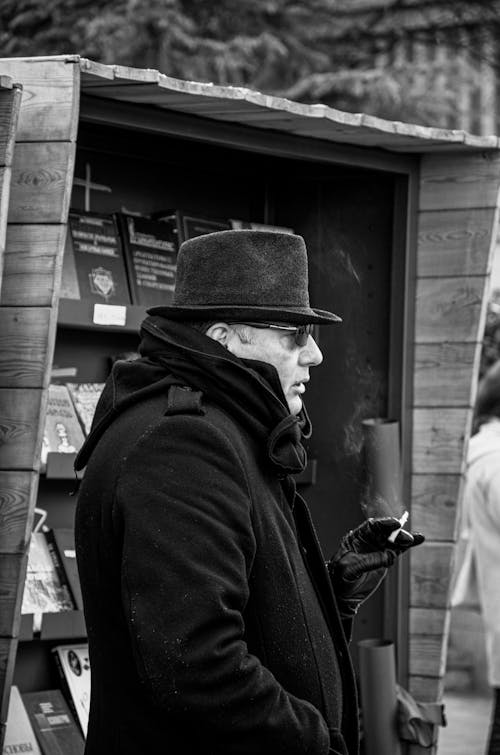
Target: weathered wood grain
point(450, 309)
point(445, 374)
point(455, 181)
point(426, 688)
point(427, 655)
point(26, 346)
point(431, 566)
point(22, 411)
point(32, 265)
point(50, 101)
point(18, 491)
point(5, 180)
point(434, 504)
point(42, 176)
point(455, 242)
point(431, 621)
point(12, 575)
point(10, 101)
point(438, 440)
point(8, 650)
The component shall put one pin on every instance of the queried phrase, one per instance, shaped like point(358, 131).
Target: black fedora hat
point(243, 275)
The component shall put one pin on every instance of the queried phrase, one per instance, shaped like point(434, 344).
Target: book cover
point(74, 669)
point(63, 540)
point(85, 397)
point(45, 587)
point(93, 264)
point(19, 734)
point(150, 248)
point(189, 225)
point(52, 721)
point(238, 225)
point(63, 432)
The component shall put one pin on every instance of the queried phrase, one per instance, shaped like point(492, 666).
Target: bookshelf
point(392, 229)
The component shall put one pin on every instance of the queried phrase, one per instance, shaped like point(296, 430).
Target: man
point(214, 624)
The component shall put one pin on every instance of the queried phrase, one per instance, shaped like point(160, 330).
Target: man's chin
point(295, 405)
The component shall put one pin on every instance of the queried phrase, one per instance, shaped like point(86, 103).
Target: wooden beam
point(434, 505)
point(42, 177)
point(26, 346)
point(22, 417)
point(452, 182)
point(18, 491)
point(32, 265)
point(431, 565)
point(449, 309)
point(445, 374)
point(439, 436)
point(51, 90)
point(455, 242)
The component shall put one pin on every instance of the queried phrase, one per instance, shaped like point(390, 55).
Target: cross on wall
point(88, 186)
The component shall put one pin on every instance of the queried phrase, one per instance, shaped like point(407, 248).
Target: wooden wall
point(458, 214)
point(42, 175)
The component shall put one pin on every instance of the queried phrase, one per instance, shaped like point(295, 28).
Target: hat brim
point(293, 315)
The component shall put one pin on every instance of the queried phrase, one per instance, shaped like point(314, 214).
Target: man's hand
point(363, 558)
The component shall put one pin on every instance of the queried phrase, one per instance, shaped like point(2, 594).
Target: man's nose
point(311, 353)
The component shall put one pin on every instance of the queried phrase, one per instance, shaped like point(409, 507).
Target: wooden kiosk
point(400, 223)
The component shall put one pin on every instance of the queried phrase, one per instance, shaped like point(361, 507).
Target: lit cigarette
point(402, 521)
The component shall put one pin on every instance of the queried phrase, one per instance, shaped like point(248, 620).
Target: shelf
point(79, 313)
point(60, 467)
point(66, 625)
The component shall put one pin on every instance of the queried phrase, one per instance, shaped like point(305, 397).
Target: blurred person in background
point(481, 512)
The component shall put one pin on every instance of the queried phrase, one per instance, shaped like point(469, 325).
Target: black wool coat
point(211, 618)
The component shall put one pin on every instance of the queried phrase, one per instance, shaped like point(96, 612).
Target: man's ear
point(219, 331)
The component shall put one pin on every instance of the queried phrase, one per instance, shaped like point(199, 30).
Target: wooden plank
point(22, 412)
point(25, 341)
point(32, 264)
point(8, 650)
point(431, 621)
point(426, 688)
point(431, 565)
point(42, 176)
point(12, 576)
point(427, 655)
point(458, 180)
point(445, 374)
point(438, 440)
point(18, 491)
point(449, 309)
point(10, 102)
point(434, 504)
point(50, 101)
point(455, 242)
point(5, 181)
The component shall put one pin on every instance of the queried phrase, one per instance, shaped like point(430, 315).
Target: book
point(45, 588)
point(93, 264)
point(238, 225)
point(74, 670)
point(62, 432)
point(55, 728)
point(63, 541)
point(188, 225)
point(85, 397)
point(150, 249)
point(19, 734)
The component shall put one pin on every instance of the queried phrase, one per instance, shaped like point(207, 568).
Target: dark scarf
point(249, 390)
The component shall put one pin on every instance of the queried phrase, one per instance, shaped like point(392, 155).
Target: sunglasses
point(300, 332)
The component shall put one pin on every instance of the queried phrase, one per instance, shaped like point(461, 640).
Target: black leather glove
point(362, 560)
